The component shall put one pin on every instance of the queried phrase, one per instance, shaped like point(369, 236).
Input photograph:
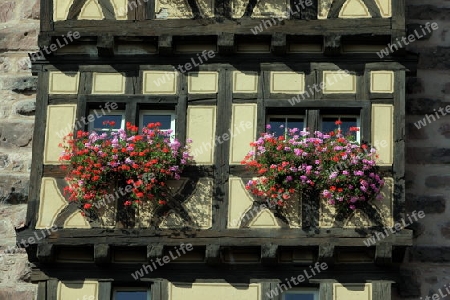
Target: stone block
point(16, 133)
point(7, 11)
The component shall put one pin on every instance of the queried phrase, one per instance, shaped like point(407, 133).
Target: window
point(329, 124)
point(301, 294)
point(165, 117)
point(97, 125)
point(279, 123)
point(131, 294)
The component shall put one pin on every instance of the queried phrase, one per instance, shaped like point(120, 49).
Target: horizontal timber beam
point(241, 26)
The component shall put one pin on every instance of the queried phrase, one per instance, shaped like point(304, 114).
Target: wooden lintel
point(225, 43)
point(269, 254)
point(326, 253)
point(45, 253)
point(278, 44)
point(212, 254)
point(383, 254)
point(332, 45)
point(102, 254)
point(165, 44)
point(154, 251)
point(105, 45)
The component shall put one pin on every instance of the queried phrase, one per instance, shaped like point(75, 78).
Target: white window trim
point(158, 113)
point(303, 117)
point(111, 113)
point(338, 117)
point(302, 291)
point(133, 289)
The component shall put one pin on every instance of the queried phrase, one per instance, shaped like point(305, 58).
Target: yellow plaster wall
point(76, 290)
point(243, 131)
point(63, 83)
point(160, 82)
point(352, 291)
point(51, 203)
point(108, 83)
point(383, 130)
point(382, 82)
point(60, 121)
point(201, 128)
point(219, 291)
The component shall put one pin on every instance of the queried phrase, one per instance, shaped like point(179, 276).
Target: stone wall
point(19, 26)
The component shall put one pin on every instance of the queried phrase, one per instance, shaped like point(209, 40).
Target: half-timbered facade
point(218, 72)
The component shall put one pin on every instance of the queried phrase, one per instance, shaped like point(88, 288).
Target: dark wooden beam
point(195, 8)
point(165, 46)
point(336, 7)
point(278, 43)
point(105, 45)
point(300, 11)
point(75, 9)
point(225, 43)
point(186, 27)
point(269, 254)
point(107, 9)
point(383, 253)
point(381, 290)
point(326, 253)
point(45, 253)
point(46, 15)
point(250, 7)
point(102, 254)
point(373, 8)
point(212, 254)
point(154, 251)
point(332, 45)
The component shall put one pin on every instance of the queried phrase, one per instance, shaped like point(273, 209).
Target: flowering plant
point(124, 157)
point(337, 167)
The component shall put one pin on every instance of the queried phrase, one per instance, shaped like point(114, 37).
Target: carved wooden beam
point(165, 44)
point(212, 254)
point(102, 254)
point(154, 251)
point(105, 45)
point(383, 253)
point(225, 43)
point(332, 45)
point(269, 254)
point(326, 253)
point(45, 253)
point(278, 43)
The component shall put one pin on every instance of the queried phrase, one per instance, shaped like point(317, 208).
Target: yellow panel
point(201, 128)
point(354, 9)
point(108, 83)
point(160, 82)
point(61, 9)
point(245, 82)
point(199, 205)
point(382, 82)
point(91, 11)
point(240, 202)
point(219, 291)
point(352, 291)
point(324, 8)
point(264, 219)
point(178, 9)
point(383, 130)
point(243, 131)
point(60, 122)
point(287, 82)
point(63, 83)
point(385, 8)
point(203, 82)
point(76, 220)
point(77, 290)
point(120, 9)
point(264, 9)
point(51, 203)
point(339, 82)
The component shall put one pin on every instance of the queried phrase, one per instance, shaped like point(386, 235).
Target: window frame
point(338, 117)
point(302, 291)
point(157, 112)
point(303, 117)
point(131, 289)
point(111, 113)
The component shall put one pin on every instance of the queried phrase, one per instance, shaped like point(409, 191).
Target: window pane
point(163, 119)
point(346, 124)
point(295, 123)
point(131, 295)
point(328, 125)
point(299, 297)
point(277, 126)
point(98, 122)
